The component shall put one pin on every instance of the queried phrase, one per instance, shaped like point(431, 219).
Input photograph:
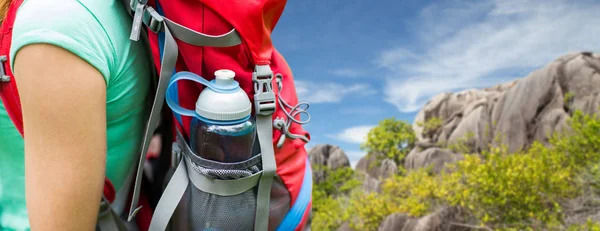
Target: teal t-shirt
point(98, 32)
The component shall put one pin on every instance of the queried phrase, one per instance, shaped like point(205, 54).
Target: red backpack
point(200, 37)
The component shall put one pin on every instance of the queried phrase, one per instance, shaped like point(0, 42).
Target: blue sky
point(358, 62)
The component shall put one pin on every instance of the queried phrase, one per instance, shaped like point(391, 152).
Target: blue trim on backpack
point(161, 35)
point(296, 213)
point(161, 44)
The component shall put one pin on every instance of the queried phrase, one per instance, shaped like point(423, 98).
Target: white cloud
point(347, 72)
point(485, 43)
point(355, 135)
point(328, 92)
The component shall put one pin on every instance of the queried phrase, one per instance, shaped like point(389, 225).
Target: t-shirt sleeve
point(69, 25)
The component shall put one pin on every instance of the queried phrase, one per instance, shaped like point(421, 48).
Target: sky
point(360, 61)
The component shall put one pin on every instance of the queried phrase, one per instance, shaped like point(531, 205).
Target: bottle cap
point(223, 101)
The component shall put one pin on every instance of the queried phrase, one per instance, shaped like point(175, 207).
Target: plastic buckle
point(264, 98)
point(3, 77)
point(153, 20)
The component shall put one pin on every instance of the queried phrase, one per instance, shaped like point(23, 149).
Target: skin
point(64, 117)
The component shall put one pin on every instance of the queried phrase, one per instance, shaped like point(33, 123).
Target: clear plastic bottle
point(223, 129)
point(223, 143)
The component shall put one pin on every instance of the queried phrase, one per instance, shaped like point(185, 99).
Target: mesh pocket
point(203, 211)
point(199, 210)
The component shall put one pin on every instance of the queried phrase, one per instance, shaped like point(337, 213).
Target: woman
point(82, 86)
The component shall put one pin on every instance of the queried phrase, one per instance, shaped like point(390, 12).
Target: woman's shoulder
point(106, 17)
point(96, 31)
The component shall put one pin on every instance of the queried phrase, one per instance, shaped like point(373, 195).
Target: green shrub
point(337, 182)
point(505, 191)
point(431, 125)
point(329, 201)
point(392, 138)
point(581, 145)
point(328, 213)
point(568, 97)
point(589, 225)
point(463, 145)
point(415, 193)
point(512, 188)
point(367, 210)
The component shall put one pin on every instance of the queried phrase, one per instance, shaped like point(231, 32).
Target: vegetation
point(431, 124)
point(528, 190)
point(462, 145)
point(392, 138)
point(588, 226)
point(568, 97)
point(327, 200)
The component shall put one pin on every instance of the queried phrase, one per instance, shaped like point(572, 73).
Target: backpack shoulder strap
point(8, 88)
point(264, 107)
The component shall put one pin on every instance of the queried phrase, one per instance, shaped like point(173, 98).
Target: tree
point(392, 138)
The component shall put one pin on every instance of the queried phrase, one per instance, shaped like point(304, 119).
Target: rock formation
point(327, 155)
point(516, 113)
point(375, 169)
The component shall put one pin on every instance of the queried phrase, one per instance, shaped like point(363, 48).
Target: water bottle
point(223, 129)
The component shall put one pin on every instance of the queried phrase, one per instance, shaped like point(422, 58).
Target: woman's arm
point(64, 116)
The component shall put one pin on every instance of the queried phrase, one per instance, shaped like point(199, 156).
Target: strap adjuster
point(3, 77)
point(176, 154)
point(264, 97)
point(153, 20)
point(146, 15)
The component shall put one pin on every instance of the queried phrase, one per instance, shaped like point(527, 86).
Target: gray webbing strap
point(192, 37)
point(265, 136)
point(167, 67)
point(138, 7)
point(220, 187)
point(108, 220)
point(264, 101)
point(170, 199)
point(157, 23)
